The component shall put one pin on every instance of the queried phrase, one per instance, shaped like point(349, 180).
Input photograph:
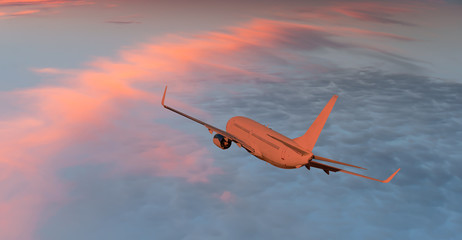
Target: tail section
point(308, 140)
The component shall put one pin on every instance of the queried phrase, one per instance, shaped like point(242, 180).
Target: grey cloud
point(122, 22)
point(308, 38)
point(377, 16)
point(382, 121)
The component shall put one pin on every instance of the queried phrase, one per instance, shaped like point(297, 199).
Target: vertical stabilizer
point(308, 140)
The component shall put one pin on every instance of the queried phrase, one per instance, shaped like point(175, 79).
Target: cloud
point(122, 22)
point(371, 16)
point(227, 197)
point(99, 139)
point(49, 3)
point(350, 31)
point(20, 13)
point(103, 107)
point(130, 19)
point(381, 121)
point(23, 8)
point(376, 12)
point(51, 71)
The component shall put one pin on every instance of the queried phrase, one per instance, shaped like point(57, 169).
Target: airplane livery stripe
point(242, 128)
point(265, 141)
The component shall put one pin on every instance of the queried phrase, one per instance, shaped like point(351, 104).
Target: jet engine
point(221, 141)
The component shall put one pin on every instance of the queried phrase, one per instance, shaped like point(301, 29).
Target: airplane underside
point(277, 164)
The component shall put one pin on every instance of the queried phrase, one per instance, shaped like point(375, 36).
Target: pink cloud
point(52, 71)
point(94, 108)
point(164, 159)
point(227, 197)
point(15, 3)
point(22, 13)
point(19, 13)
point(23, 8)
point(110, 113)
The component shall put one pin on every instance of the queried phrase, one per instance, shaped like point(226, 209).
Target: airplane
point(273, 147)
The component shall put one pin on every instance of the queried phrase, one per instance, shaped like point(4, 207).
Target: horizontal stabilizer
point(336, 162)
point(324, 167)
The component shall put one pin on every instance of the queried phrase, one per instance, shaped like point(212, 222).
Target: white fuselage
point(267, 148)
point(273, 147)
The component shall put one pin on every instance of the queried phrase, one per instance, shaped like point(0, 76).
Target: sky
point(88, 152)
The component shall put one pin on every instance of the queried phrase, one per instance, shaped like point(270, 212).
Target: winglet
point(163, 98)
point(359, 175)
point(391, 176)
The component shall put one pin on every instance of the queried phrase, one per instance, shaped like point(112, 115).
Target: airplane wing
point(328, 169)
point(210, 127)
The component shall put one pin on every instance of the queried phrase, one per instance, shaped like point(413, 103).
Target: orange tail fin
point(308, 140)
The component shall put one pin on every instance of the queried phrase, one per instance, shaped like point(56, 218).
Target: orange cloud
point(86, 106)
point(110, 113)
point(22, 13)
point(48, 70)
point(23, 7)
point(227, 197)
point(15, 3)
point(19, 13)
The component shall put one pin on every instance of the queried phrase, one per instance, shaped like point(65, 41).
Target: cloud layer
point(91, 154)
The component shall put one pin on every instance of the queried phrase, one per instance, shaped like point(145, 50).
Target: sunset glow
point(88, 152)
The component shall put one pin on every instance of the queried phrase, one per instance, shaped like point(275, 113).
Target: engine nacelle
point(221, 141)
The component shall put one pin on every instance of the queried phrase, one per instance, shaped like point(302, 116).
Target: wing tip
point(163, 97)
point(391, 176)
point(371, 178)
